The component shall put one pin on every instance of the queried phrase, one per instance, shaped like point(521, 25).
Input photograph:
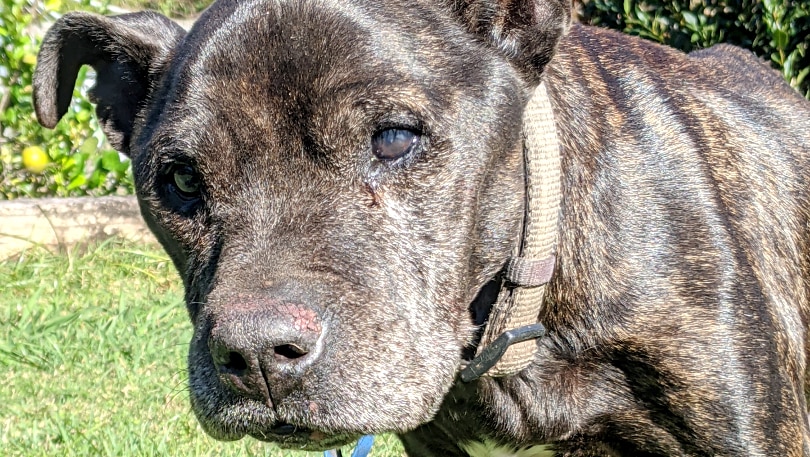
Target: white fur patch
point(488, 449)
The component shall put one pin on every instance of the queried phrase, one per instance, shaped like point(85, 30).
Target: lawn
point(92, 359)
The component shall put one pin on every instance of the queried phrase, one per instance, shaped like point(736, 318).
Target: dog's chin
point(282, 434)
point(312, 419)
point(302, 439)
point(234, 423)
point(227, 419)
point(307, 440)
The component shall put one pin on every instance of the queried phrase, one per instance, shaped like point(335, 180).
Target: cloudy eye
point(390, 144)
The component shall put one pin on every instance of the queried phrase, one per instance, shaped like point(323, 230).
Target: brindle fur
point(678, 310)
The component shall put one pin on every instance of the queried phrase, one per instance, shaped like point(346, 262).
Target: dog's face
point(337, 205)
point(334, 181)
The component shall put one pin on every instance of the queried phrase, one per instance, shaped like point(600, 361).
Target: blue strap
point(361, 449)
point(363, 446)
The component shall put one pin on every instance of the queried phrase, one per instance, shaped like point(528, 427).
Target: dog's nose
point(260, 347)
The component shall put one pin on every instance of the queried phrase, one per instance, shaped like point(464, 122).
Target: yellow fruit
point(35, 159)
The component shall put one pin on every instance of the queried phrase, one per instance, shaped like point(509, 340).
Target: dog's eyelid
point(172, 157)
point(169, 164)
point(401, 119)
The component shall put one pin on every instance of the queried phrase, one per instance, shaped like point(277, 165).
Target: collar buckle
point(491, 354)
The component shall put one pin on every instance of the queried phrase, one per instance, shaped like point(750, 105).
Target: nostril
point(286, 352)
point(235, 363)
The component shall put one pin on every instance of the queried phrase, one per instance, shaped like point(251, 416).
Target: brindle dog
point(336, 180)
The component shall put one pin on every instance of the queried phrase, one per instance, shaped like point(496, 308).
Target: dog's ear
point(129, 54)
point(525, 31)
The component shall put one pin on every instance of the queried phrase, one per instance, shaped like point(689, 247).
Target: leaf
point(802, 74)
point(89, 147)
point(691, 20)
point(123, 166)
point(787, 66)
point(643, 17)
point(83, 115)
point(57, 321)
point(77, 182)
point(97, 179)
point(110, 161)
point(780, 39)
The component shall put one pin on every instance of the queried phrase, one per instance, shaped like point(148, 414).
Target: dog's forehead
point(314, 44)
point(277, 68)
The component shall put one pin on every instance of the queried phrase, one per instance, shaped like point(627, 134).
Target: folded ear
point(129, 54)
point(525, 31)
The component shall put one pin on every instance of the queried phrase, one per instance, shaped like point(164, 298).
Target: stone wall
point(59, 223)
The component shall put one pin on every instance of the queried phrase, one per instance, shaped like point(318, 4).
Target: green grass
point(92, 359)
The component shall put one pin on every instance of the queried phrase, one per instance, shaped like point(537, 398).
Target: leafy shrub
point(81, 163)
point(776, 30)
point(171, 8)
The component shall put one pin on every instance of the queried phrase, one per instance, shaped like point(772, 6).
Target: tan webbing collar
point(526, 275)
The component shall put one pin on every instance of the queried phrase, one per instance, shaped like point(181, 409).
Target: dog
point(341, 183)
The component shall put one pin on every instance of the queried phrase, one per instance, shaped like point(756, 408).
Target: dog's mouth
point(256, 423)
point(289, 435)
point(308, 439)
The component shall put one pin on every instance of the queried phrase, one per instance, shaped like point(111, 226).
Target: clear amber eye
point(390, 144)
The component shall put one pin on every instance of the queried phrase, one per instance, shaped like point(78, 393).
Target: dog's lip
point(285, 429)
point(300, 437)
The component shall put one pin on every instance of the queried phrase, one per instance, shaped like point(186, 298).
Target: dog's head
point(335, 182)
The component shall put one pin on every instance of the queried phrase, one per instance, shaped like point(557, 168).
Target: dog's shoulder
point(731, 58)
point(737, 67)
point(722, 66)
point(729, 86)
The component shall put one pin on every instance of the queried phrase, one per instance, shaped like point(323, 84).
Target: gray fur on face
point(330, 286)
point(321, 202)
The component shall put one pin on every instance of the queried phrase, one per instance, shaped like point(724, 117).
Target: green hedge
point(776, 30)
point(81, 163)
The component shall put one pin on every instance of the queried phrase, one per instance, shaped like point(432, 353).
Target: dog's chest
point(489, 449)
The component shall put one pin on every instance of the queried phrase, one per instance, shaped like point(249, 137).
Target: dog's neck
point(507, 308)
point(464, 418)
